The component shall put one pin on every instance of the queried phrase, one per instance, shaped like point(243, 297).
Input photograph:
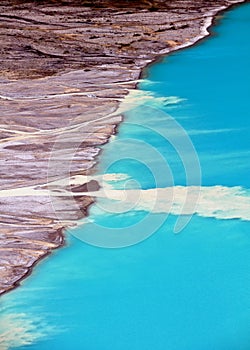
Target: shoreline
point(30, 270)
point(60, 235)
point(205, 34)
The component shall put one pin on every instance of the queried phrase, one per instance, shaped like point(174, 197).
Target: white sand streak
point(213, 201)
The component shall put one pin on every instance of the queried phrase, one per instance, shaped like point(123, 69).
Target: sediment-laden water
point(189, 290)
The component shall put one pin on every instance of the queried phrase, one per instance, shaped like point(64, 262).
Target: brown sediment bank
point(65, 67)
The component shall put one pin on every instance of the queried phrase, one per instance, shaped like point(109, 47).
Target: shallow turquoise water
point(176, 292)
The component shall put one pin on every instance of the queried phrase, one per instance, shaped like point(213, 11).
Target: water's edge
point(205, 31)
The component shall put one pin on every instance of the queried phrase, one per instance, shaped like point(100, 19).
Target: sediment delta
point(65, 68)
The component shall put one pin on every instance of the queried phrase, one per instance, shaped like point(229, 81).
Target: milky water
point(182, 291)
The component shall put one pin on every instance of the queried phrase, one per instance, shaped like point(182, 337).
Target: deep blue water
point(189, 291)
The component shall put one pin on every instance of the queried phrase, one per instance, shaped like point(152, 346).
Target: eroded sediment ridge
point(65, 67)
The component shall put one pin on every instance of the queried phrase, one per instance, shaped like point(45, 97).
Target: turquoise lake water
point(189, 291)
